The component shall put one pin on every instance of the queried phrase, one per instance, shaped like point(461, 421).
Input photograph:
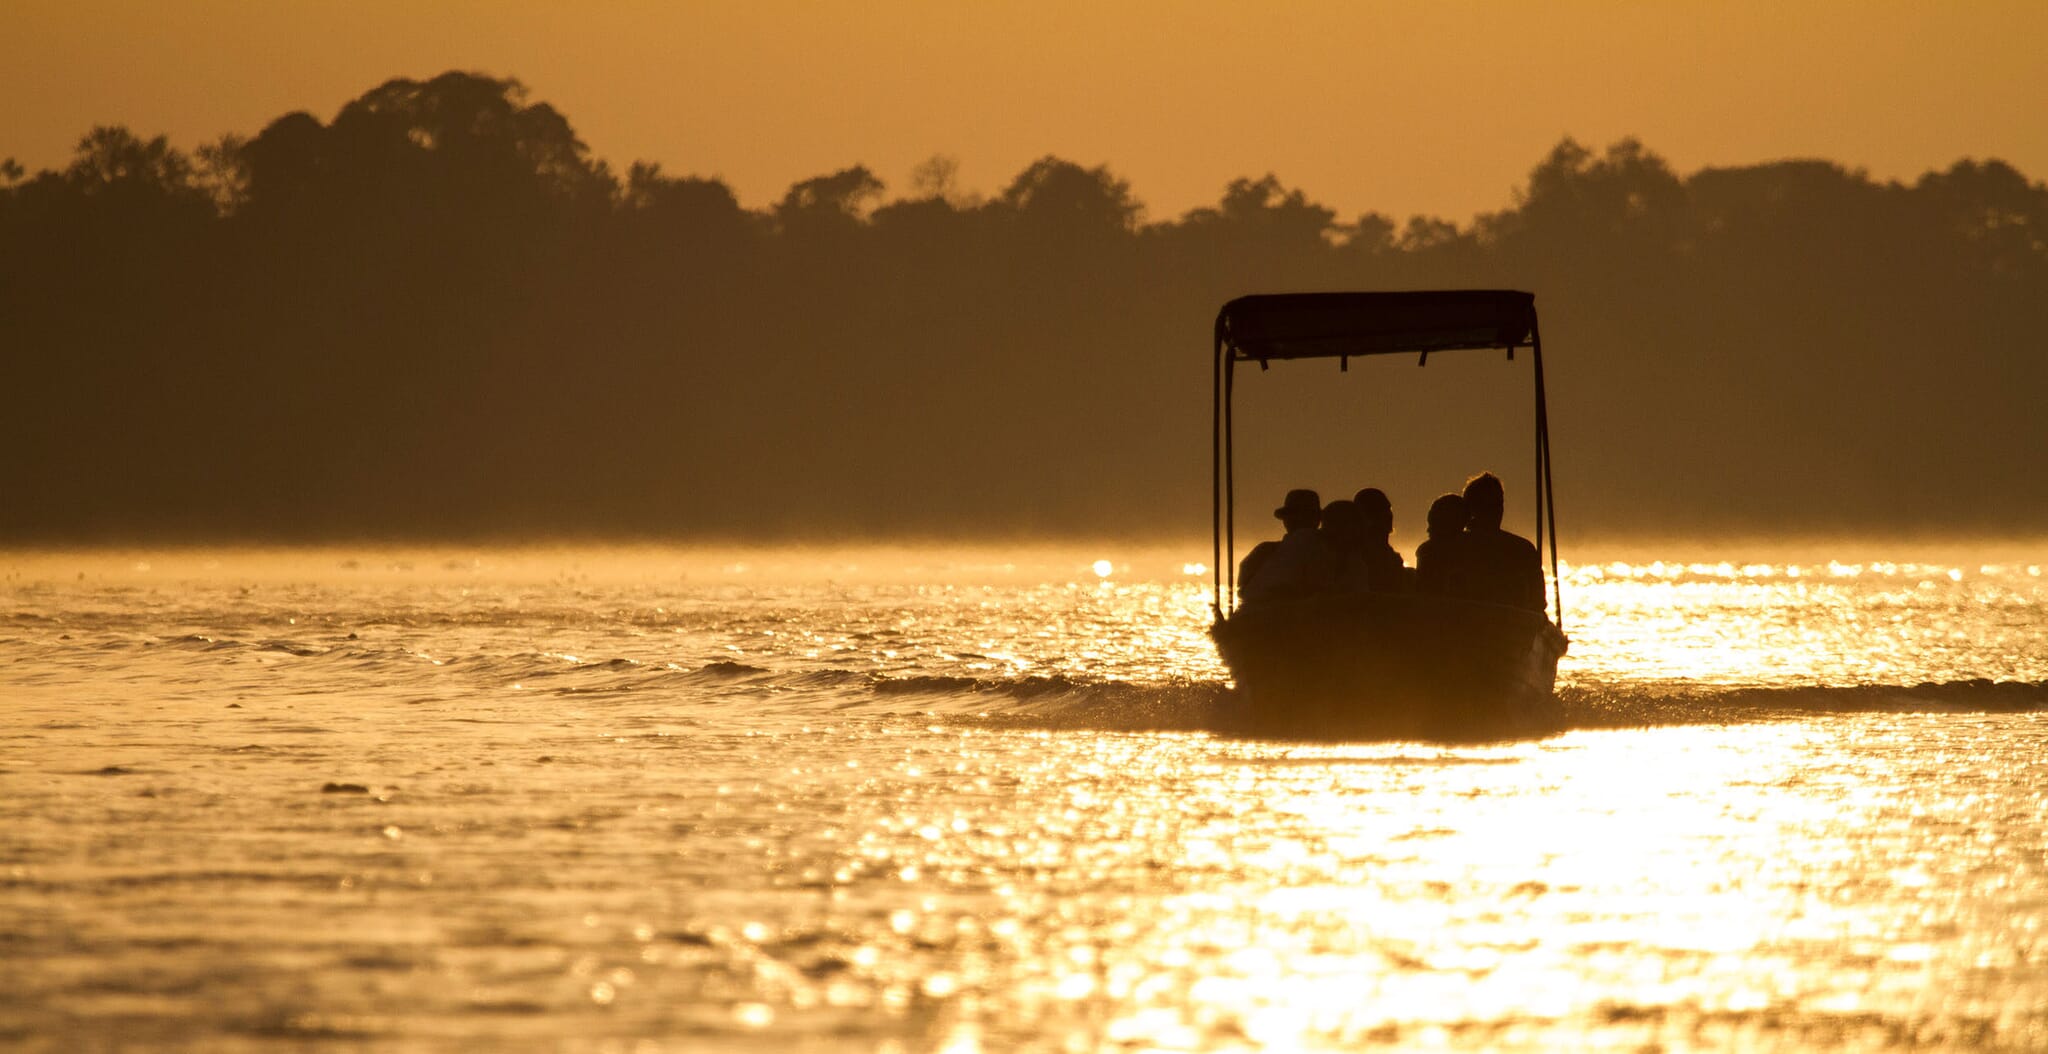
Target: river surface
point(866, 799)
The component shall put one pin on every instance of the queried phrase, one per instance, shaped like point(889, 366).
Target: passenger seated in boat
point(1437, 564)
point(1344, 534)
point(1298, 564)
point(1500, 567)
point(1385, 571)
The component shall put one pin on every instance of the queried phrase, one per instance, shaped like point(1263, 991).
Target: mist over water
point(942, 799)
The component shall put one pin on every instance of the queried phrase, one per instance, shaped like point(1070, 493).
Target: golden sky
point(1430, 106)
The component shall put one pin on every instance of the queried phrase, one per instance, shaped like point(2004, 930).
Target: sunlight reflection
point(1370, 902)
point(935, 809)
point(1734, 623)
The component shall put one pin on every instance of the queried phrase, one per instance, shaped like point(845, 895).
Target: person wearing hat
point(1298, 564)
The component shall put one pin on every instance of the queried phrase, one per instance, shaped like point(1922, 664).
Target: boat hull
point(1387, 665)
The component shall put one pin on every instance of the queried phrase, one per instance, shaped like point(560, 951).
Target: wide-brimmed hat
point(1299, 502)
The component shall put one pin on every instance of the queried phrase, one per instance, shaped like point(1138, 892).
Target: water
point(888, 800)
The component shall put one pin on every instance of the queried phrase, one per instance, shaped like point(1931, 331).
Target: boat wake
point(1625, 706)
point(1060, 702)
point(781, 690)
point(1124, 706)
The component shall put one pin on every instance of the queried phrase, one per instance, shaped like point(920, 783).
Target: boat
point(1383, 664)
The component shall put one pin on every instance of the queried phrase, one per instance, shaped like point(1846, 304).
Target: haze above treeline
point(437, 316)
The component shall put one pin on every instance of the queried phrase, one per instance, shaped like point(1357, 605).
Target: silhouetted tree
point(1059, 196)
point(936, 177)
point(437, 314)
point(836, 202)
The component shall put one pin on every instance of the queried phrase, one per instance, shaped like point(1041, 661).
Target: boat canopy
point(1331, 325)
point(1341, 325)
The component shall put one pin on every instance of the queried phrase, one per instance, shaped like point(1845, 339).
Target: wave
point(290, 647)
point(727, 668)
point(1059, 701)
point(198, 642)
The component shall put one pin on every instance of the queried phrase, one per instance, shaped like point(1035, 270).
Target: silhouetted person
point(1298, 564)
point(1500, 567)
point(1439, 564)
point(1384, 569)
point(1344, 534)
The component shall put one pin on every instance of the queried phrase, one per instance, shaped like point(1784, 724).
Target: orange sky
point(1431, 106)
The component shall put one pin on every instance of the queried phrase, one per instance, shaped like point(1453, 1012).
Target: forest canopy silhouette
point(436, 315)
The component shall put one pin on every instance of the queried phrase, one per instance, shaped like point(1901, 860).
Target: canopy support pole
point(1216, 473)
point(1546, 498)
point(1229, 485)
point(1222, 481)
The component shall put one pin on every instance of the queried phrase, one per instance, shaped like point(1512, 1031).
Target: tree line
point(436, 315)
